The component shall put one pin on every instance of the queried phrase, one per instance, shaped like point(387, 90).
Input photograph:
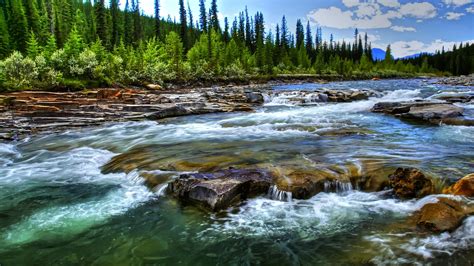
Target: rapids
point(58, 206)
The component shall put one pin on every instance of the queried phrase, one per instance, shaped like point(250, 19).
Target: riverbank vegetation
point(71, 44)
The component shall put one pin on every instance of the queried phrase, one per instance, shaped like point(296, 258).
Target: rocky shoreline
point(30, 112)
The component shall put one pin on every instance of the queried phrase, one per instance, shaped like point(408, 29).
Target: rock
point(434, 111)
point(359, 96)
point(154, 87)
point(408, 183)
point(219, 190)
point(173, 111)
point(444, 215)
point(425, 111)
point(107, 94)
point(464, 187)
point(253, 97)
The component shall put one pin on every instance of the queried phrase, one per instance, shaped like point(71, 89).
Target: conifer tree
point(32, 46)
point(157, 19)
point(203, 15)
point(17, 25)
point(4, 36)
point(214, 19)
point(309, 40)
point(183, 24)
point(116, 22)
point(101, 20)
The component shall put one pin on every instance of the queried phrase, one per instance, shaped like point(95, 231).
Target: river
point(57, 207)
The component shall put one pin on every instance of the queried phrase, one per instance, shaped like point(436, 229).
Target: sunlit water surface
point(56, 207)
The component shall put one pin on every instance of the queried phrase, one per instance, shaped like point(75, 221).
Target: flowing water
point(58, 207)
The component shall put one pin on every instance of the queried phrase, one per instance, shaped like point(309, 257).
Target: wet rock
point(458, 81)
point(173, 111)
point(463, 187)
point(253, 97)
point(425, 111)
point(408, 183)
point(444, 215)
point(219, 190)
point(109, 94)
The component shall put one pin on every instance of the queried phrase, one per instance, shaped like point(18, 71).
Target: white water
point(78, 166)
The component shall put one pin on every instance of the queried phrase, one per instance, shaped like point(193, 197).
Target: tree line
point(75, 43)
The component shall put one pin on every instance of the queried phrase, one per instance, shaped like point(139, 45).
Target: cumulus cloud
point(389, 3)
point(350, 3)
point(406, 48)
point(373, 14)
point(421, 10)
point(470, 9)
point(403, 29)
point(454, 15)
point(457, 2)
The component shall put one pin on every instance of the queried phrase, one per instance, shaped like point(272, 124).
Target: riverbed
point(58, 207)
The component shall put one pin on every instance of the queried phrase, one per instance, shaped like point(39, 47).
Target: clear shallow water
point(57, 207)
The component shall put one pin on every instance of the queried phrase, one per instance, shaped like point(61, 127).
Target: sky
point(409, 26)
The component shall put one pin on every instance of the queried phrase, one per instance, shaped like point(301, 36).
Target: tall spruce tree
point(157, 19)
point(116, 22)
point(101, 20)
point(214, 19)
point(17, 26)
point(183, 25)
point(203, 15)
point(4, 36)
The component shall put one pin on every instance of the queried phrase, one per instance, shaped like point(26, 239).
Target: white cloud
point(350, 3)
point(406, 48)
point(389, 3)
point(470, 9)
point(332, 17)
point(403, 29)
point(421, 10)
point(457, 2)
point(367, 10)
point(454, 15)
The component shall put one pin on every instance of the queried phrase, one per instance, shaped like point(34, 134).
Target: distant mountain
point(378, 54)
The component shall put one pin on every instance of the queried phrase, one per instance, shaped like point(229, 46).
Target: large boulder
point(444, 215)
point(408, 183)
point(219, 190)
point(464, 187)
point(425, 111)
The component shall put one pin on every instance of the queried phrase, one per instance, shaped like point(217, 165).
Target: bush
point(19, 72)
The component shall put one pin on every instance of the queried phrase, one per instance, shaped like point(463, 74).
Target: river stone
point(408, 183)
point(219, 190)
point(464, 187)
point(444, 215)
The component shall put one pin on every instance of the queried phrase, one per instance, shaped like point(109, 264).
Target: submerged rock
point(219, 190)
point(425, 111)
point(408, 183)
point(444, 215)
point(464, 187)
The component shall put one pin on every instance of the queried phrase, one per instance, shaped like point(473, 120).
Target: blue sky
point(410, 26)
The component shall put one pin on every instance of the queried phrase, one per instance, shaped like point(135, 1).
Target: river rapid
point(57, 207)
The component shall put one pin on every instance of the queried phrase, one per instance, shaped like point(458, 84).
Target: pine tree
point(32, 47)
point(74, 44)
point(4, 36)
point(226, 30)
point(128, 23)
point(309, 40)
point(388, 56)
point(203, 15)
point(214, 19)
point(18, 26)
point(183, 24)
point(157, 19)
point(284, 34)
point(50, 47)
point(137, 23)
point(101, 20)
point(32, 15)
point(174, 52)
point(299, 34)
point(116, 22)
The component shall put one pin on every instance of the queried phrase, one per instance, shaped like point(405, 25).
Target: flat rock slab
point(219, 190)
point(425, 111)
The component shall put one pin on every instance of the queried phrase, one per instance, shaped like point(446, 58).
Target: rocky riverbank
point(458, 81)
point(30, 112)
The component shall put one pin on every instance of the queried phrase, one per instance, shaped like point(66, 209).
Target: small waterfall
point(275, 194)
point(337, 186)
point(161, 190)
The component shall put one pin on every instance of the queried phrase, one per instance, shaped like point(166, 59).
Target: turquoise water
point(57, 207)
